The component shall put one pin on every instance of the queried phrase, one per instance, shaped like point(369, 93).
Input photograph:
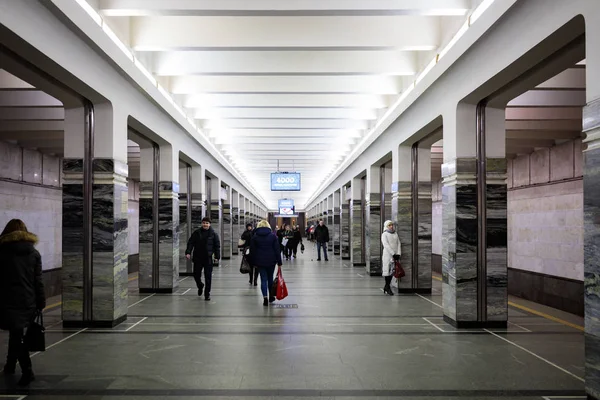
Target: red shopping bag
point(282, 291)
point(398, 270)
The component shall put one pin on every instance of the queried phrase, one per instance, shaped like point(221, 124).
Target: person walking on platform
point(265, 254)
point(280, 233)
point(205, 245)
point(246, 238)
point(287, 242)
point(297, 239)
point(391, 252)
point(322, 237)
point(21, 293)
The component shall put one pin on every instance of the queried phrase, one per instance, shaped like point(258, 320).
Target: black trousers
point(17, 350)
point(295, 248)
point(253, 273)
point(207, 277)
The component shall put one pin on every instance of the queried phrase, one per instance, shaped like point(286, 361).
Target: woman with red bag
point(264, 255)
point(391, 253)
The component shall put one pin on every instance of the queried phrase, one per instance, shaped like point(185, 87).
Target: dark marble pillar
point(72, 241)
point(591, 246)
point(373, 230)
point(402, 212)
point(168, 238)
point(183, 233)
point(226, 249)
point(336, 225)
point(345, 230)
point(425, 226)
point(356, 234)
point(329, 223)
point(109, 243)
point(497, 240)
point(216, 217)
point(237, 233)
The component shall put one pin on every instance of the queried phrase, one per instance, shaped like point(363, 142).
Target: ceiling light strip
point(194, 127)
point(475, 15)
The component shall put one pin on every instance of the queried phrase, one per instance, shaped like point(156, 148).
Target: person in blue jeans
point(265, 254)
point(322, 237)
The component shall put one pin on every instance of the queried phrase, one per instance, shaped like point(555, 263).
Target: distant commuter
point(21, 293)
point(246, 238)
point(296, 240)
point(265, 254)
point(280, 233)
point(288, 241)
point(391, 253)
point(322, 237)
point(205, 245)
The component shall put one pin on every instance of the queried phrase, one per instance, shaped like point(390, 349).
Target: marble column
point(424, 220)
point(356, 225)
point(226, 249)
point(402, 212)
point(373, 234)
point(591, 248)
point(345, 229)
point(336, 223)
point(329, 223)
point(216, 208)
point(168, 237)
point(184, 227)
point(235, 222)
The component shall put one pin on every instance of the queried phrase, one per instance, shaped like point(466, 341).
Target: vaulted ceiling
point(294, 82)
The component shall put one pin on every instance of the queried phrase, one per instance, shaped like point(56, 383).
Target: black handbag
point(35, 337)
point(245, 267)
point(302, 248)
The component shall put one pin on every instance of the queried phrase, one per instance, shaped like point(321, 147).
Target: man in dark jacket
point(205, 244)
point(21, 293)
point(322, 237)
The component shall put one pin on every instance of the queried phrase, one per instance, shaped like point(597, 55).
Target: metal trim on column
point(88, 181)
point(481, 213)
point(414, 188)
point(155, 215)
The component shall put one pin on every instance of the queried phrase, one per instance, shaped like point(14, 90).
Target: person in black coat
point(322, 237)
point(264, 254)
point(247, 237)
point(21, 293)
point(205, 244)
point(296, 240)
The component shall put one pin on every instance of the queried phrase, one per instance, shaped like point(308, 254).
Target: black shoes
point(271, 299)
point(265, 302)
point(388, 291)
point(207, 298)
point(10, 368)
point(201, 289)
point(26, 378)
point(255, 284)
point(327, 259)
point(318, 259)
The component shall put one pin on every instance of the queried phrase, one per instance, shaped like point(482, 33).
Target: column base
point(94, 324)
point(415, 290)
point(475, 324)
point(160, 290)
point(186, 274)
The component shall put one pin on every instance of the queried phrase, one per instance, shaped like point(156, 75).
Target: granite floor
point(341, 338)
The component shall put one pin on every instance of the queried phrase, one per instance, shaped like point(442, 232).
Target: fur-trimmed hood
point(18, 236)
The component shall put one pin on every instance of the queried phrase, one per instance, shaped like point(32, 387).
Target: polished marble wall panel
point(373, 234)
point(329, 223)
point(402, 204)
point(168, 239)
point(183, 232)
point(345, 231)
point(425, 235)
point(72, 239)
point(226, 249)
point(356, 234)
point(133, 217)
point(591, 201)
point(146, 233)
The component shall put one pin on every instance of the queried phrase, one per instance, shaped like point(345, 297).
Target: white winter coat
point(391, 246)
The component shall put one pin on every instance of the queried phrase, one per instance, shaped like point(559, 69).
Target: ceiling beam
point(36, 135)
point(190, 32)
point(545, 113)
point(288, 100)
point(572, 78)
point(27, 98)
point(545, 125)
point(374, 84)
point(32, 126)
point(550, 98)
point(296, 147)
point(32, 114)
point(390, 62)
point(556, 135)
point(9, 81)
point(283, 8)
point(283, 141)
point(307, 133)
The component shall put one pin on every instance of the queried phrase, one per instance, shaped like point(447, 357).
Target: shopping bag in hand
point(282, 291)
point(398, 270)
point(35, 338)
point(245, 267)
